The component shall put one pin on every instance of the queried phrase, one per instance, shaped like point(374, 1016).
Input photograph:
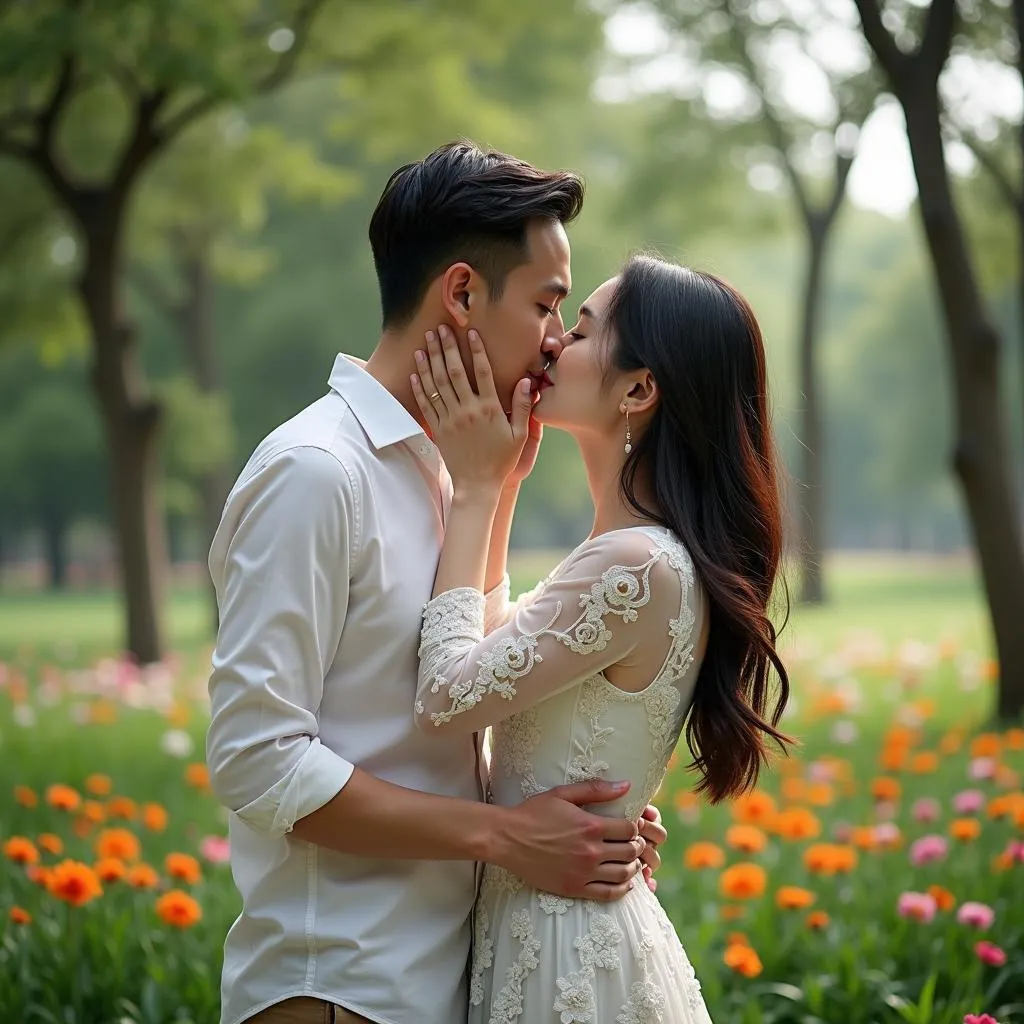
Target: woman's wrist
point(478, 494)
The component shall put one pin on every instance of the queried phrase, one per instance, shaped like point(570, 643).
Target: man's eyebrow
point(557, 287)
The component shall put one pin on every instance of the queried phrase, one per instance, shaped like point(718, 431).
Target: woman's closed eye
point(546, 310)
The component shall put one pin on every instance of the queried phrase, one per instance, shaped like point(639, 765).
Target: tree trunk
point(131, 420)
point(54, 537)
point(197, 330)
point(811, 504)
point(980, 453)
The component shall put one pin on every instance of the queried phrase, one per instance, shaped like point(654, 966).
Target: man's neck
point(391, 363)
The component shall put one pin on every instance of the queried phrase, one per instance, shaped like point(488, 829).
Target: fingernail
point(430, 336)
point(473, 336)
point(524, 386)
point(419, 356)
point(620, 785)
point(442, 331)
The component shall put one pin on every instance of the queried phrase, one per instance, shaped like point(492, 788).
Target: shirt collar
point(380, 414)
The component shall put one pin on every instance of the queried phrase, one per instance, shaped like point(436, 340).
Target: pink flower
point(885, 810)
point(887, 833)
point(926, 849)
point(983, 1018)
point(1015, 852)
point(926, 809)
point(916, 905)
point(970, 801)
point(215, 849)
point(982, 768)
point(976, 915)
point(989, 953)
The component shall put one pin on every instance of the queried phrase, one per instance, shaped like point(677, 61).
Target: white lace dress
point(624, 606)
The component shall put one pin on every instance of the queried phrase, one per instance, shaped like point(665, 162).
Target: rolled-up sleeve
point(280, 564)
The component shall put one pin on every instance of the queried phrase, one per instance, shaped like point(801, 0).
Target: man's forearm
point(501, 531)
point(373, 818)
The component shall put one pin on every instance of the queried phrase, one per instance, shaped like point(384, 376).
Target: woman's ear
point(459, 290)
point(643, 394)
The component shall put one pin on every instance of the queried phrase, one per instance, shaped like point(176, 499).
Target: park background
point(184, 195)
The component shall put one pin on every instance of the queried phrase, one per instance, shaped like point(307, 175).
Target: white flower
point(575, 1001)
point(176, 743)
point(25, 716)
point(845, 731)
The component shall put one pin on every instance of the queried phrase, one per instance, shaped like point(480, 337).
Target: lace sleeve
point(615, 594)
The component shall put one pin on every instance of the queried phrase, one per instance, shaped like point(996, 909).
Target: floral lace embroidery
point(646, 1005)
point(515, 740)
point(599, 947)
point(483, 953)
point(576, 1003)
point(508, 1003)
point(552, 904)
point(458, 615)
point(593, 703)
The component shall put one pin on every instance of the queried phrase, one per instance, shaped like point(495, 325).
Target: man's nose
point(552, 347)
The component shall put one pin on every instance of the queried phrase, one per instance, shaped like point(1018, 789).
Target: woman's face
point(578, 400)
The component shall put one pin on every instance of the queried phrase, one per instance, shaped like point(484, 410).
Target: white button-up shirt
point(324, 558)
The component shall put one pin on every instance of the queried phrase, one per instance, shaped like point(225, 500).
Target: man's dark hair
point(460, 204)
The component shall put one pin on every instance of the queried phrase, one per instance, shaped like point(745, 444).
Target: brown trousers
point(306, 1010)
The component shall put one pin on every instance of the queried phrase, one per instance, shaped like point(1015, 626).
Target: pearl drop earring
point(628, 447)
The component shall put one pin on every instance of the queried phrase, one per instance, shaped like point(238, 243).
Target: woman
point(660, 614)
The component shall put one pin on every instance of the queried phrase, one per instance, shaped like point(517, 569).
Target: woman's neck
point(603, 460)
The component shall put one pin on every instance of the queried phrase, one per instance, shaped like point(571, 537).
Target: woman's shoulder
point(651, 550)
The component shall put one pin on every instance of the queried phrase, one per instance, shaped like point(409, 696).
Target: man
point(354, 837)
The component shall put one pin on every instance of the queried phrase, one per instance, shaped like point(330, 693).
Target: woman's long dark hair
point(708, 459)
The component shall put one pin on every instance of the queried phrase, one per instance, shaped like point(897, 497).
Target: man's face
point(521, 331)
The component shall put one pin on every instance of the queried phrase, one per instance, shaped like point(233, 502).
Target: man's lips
point(541, 381)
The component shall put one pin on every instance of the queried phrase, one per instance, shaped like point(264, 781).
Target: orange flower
point(820, 794)
point(863, 837)
point(93, 811)
point(82, 827)
point(704, 855)
point(797, 823)
point(743, 960)
point(118, 843)
point(26, 796)
point(737, 939)
point(41, 876)
point(19, 915)
point(21, 850)
point(142, 876)
point(122, 807)
point(685, 800)
point(183, 866)
point(792, 897)
point(884, 788)
point(103, 712)
point(154, 817)
point(893, 759)
point(1005, 805)
point(1014, 739)
point(950, 743)
point(110, 869)
point(829, 858)
point(51, 843)
point(754, 808)
point(743, 881)
point(748, 838)
point(179, 715)
point(965, 829)
point(924, 763)
point(75, 883)
point(944, 899)
point(99, 785)
point(732, 911)
point(197, 775)
point(179, 909)
point(817, 919)
point(64, 798)
point(987, 744)
point(794, 790)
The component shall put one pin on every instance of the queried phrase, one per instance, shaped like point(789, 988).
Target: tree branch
point(145, 139)
point(938, 36)
point(844, 164)
point(50, 115)
point(993, 168)
point(276, 76)
point(892, 59)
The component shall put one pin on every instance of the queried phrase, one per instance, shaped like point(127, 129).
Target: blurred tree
point(813, 144)
point(51, 452)
point(91, 97)
point(913, 60)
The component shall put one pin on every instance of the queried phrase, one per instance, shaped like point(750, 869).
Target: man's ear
point(460, 290)
point(643, 394)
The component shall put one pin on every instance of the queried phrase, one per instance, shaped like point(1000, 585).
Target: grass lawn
point(891, 688)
